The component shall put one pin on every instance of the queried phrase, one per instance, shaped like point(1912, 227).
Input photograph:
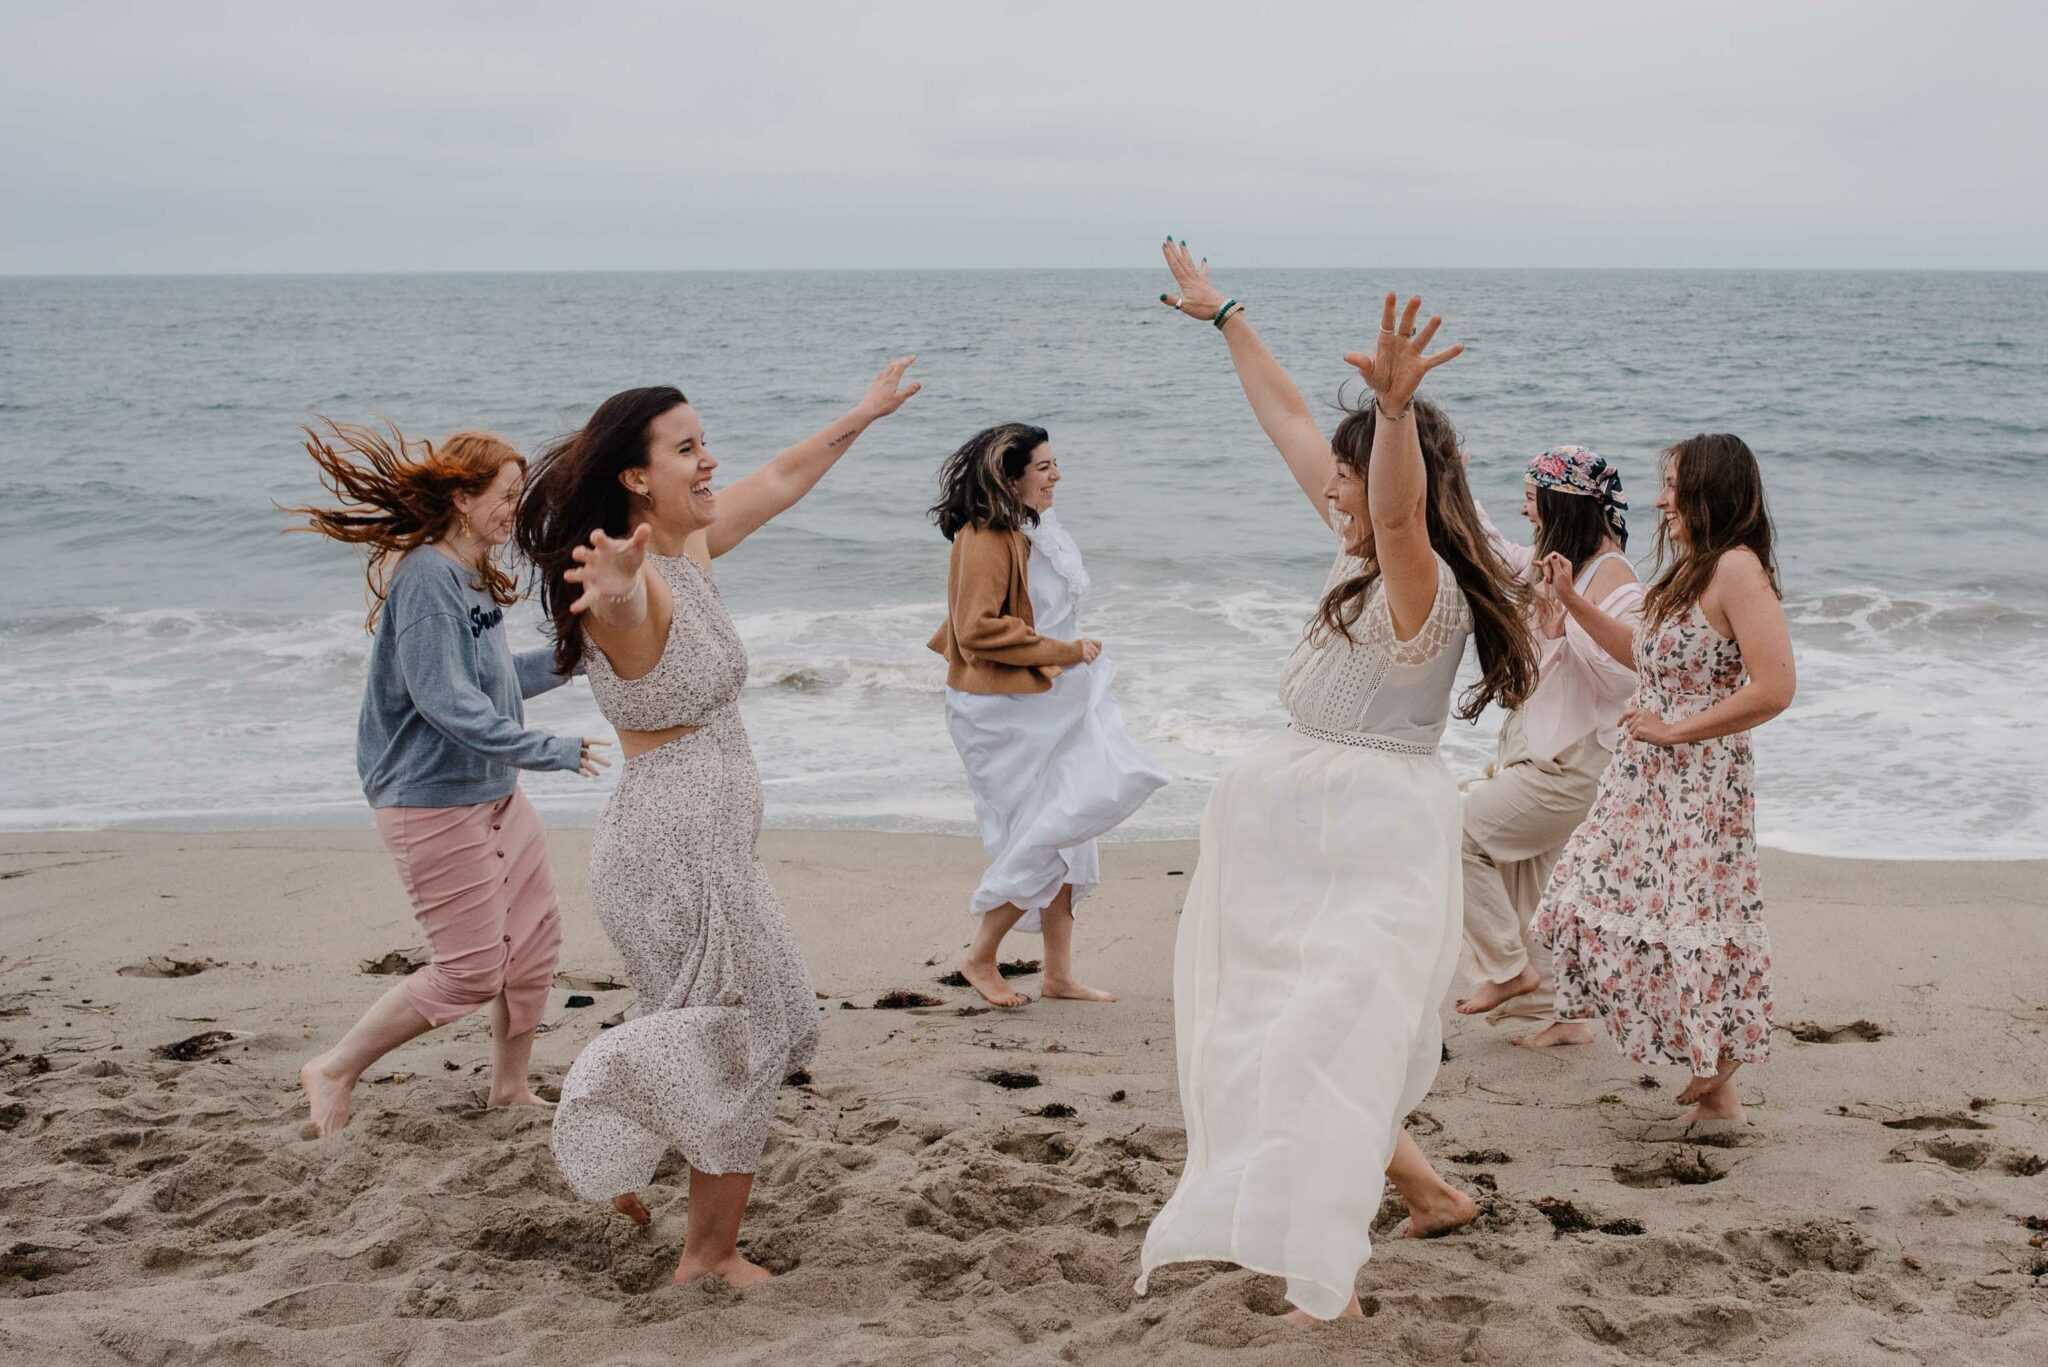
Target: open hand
point(607, 567)
point(591, 761)
point(888, 393)
point(1648, 727)
point(1397, 364)
point(1193, 294)
point(1089, 651)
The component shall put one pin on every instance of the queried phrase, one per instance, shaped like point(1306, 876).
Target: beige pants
point(1517, 819)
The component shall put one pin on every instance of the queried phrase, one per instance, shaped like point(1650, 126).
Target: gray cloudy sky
point(370, 136)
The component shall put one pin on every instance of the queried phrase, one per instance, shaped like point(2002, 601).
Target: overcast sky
point(430, 136)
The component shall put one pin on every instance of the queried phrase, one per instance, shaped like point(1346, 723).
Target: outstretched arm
point(1283, 414)
point(746, 505)
point(1396, 482)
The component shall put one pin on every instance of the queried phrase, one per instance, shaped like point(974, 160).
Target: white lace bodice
point(1377, 691)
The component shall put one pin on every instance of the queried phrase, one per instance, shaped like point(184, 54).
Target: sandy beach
point(1887, 1203)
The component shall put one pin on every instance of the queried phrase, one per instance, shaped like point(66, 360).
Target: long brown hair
point(398, 494)
point(974, 482)
point(575, 490)
point(1718, 490)
point(1507, 658)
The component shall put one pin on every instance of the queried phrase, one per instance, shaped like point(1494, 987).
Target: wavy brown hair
point(974, 482)
point(1718, 488)
point(575, 490)
point(1507, 657)
point(398, 494)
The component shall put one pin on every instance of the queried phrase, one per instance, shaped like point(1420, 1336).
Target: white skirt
point(1318, 939)
point(1049, 772)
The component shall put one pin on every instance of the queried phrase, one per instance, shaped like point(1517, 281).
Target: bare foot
point(523, 1097)
point(1491, 995)
point(628, 1204)
point(733, 1269)
point(327, 1096)
point(987, 980)
point(1074, 992)
point(1713, 1098)
point(1448, 1210)
point(1352, 1311)
point(1555, 1034)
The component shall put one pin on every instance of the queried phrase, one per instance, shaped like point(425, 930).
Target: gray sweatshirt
point(442, 724)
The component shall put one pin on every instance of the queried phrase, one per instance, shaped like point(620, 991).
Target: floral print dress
point(1653, 914)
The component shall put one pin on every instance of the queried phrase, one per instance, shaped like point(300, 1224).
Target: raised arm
point(1283, 414)
point(1756, 619)
point(1614, 633)
point(1396, 482)
point(746, 505)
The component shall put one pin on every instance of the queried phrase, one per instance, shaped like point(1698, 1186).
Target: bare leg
point(1555, 1034)
point(979, 966)
point(1434, 1205)
point(1713, 1098)
point(509, 1056)
point(711, 1233)
point(329, 1078)
point(1058, 920)
point(1491, 995)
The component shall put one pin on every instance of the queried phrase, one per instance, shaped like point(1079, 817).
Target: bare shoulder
point(1738, 571)
point(1611, 575)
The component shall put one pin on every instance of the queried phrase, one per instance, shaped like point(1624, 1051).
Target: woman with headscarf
point(1554, 747)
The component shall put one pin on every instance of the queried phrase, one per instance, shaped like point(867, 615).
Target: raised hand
point(1397, 364)
point(1549, 608)
point(608, 568)
point(888, 393)
point(1192, 294)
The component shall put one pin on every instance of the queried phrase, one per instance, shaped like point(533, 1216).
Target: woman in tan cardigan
point(1028, 704)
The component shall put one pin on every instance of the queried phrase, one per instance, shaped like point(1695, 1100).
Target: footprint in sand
point(1688, 1169)
point(1855, 1032)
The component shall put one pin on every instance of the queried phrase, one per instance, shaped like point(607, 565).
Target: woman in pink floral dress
point(1654, 914)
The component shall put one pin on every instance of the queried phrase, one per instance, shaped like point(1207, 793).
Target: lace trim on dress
point(1362, 739)
point(1448, 620)
point(1062, 551)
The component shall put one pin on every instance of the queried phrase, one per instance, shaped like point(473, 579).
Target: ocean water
point(168, 657)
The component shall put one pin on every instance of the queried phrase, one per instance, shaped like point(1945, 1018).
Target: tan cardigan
point(989, 639)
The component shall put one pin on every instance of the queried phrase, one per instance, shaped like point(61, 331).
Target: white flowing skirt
point(1318, 939)
point(1049, 772)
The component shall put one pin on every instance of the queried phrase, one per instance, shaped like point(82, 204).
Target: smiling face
point(1667, 502)
point(1041, 475)
point(1529, 503)
point(1345, 492)
point(673, 489)
point(490, 514)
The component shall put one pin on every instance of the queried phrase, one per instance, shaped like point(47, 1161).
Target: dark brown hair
point(1573, 526)
point(1507, 658)
point(1718, 490)
point(575, 490)
point(398, 494)
point(974, 482)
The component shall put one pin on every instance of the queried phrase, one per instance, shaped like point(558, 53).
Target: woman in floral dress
point(1654, 915)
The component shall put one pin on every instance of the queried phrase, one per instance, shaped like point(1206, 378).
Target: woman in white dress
point(1323, 923)
point(1028, 705)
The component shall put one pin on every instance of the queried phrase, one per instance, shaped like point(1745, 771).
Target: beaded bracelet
point(1224, 312)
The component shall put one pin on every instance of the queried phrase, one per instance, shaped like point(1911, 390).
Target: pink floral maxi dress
point(1654, 914)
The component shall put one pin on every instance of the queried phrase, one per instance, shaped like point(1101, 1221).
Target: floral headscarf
point(1577, 470)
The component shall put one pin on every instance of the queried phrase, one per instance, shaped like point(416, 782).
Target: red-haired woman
point(1654, 914)
point(439, 744)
